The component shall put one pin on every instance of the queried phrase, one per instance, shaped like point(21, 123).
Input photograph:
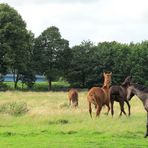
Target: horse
point(118, 93)
point(99, 96)
point(73, 97)
point(142, 93)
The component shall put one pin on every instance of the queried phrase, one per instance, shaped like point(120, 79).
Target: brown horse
point(73, 97)
point(118, 93)
point(99, 96)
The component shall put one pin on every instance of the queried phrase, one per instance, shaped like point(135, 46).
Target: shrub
point(14, 108)
point(63, 105)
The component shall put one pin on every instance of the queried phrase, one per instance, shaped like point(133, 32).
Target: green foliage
point(4, 60)
point(139, 61)
point(89, 62)
point(49, 54)
point(28, 74)
point(51, 51)
point(114, 57)
point(83, 64)
point(28, 78)
point(3, 86)
point(15, 37)
point(37, 86)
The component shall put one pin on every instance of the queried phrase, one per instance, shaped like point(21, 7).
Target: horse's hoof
point(106, 114)
point(146, 135)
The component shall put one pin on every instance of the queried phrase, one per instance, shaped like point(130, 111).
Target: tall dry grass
point(52, 103)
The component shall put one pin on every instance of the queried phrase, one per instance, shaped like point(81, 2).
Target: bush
point(14, 108)
point(3, 86)
point(63, 105)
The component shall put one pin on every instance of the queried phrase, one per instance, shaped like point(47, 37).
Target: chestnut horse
point(73, 97)
point(99, 96)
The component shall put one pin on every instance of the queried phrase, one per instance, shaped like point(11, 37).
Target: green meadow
point(44, 120)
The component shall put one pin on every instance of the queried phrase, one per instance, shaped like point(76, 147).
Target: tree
point(3, 58)
point(51, 51)
point(114, 56)
point(28, 74)
point(14, 34)
point(3, 62)
point(83, 64)
point(139, 60)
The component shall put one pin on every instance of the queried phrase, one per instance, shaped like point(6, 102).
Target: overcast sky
point(96, 20)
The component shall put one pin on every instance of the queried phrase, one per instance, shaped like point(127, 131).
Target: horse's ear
point(131, 80)
point(110, 73)
point(104, 74)
point(104, 86)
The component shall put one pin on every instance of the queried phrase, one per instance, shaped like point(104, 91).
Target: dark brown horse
point(73, 97)
point(118, 93)
point(142, 93)
point(99, 96)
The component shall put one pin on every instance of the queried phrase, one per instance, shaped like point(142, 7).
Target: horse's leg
point(129, 107)
point(98, 110)
point(108, 108)
point(122, 107)
point(112, 107)
point(146, 127)
point(69, 102)
point(77, 104)
point(90, 110)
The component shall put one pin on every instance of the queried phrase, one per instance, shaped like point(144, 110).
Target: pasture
point(44, 120)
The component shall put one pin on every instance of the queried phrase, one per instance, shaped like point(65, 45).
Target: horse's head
point(130, 92)
point(107, 78)
point(127, 81)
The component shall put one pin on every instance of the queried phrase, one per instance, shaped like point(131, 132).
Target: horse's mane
point(127, 81)
point(140, 87)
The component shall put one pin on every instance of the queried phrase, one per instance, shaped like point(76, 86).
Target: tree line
point(49, 54)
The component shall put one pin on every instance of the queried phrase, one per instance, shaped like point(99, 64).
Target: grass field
point(44, 120)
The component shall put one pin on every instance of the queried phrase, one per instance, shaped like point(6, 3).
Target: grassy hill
point(44, 120)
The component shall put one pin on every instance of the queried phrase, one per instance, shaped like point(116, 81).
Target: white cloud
point(97, 20)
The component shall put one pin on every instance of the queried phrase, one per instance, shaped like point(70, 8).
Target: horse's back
point(73, 94)
point(117, 90)
point(95, 94)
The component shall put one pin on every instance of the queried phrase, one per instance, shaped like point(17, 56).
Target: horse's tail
point(90, 109)
point(73, 97)
point(91, 99)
